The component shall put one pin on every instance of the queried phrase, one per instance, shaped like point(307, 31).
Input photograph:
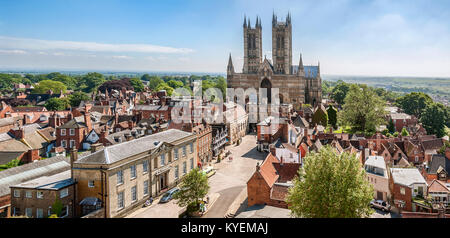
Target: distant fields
point(435, 87)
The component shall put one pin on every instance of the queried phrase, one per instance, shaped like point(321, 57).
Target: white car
point(380, 204)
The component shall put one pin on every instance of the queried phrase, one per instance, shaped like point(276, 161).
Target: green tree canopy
point(164, 86)
point(57, 104)
point(45, 86)
point(330, 185)
point(175, 83)
point(405, 132)
point(340, 91)
point(320, 118)
point(92, 81)
point(193, 188)
point(137, 84)
point(155, 82)
point(332, 116)
point(433, 119)
point(76, 98)
point(391, 126)
point(414, 103)
point(363, 110)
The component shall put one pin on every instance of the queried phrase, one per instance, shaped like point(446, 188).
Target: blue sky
point(348, 37)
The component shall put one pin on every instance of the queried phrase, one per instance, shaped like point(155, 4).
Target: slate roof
point(115, 153)
point(53, 182)
point(301, 122)
point(9, 121)
point(407, 176)
point(435, 144)
point(8, 156)
point(376, 161)
point(437, 161)
point(31, 171)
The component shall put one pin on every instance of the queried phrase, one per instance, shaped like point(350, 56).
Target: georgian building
point(123, 176)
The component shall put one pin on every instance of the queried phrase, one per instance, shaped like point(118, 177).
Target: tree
point(414, 103)
point(164, 86)
point(76, 98)
point(320, 117)
point(175, 84)
point(330, 185)
point(444, 148)
point(433, 119)
point(332, 116)
point(92, 81)
point(57, 208)
point(57, 104)
point(45, 86)
point(146, 77)
point(391, 126)
point(193, 188)
point(363, 110)
point(137, 84)
point(222, 85)
point(155, 82)
point(339, 92)
point(405, 132)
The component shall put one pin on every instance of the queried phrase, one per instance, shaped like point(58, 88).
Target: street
point(230, 182)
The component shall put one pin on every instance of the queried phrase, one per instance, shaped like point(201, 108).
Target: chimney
point(257, 167)
point(19, 133)
point(281, 160)
point(69, 116)
point(116, 118)
point(130, 124)
point(273, 150)
point(103, 134)
point(96, 147)
point(73, 158)
point(87, 121)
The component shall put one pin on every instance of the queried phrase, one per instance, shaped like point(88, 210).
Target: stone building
point(125, 175)
point(297, 84)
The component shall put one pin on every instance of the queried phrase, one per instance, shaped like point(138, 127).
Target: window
point(133, 194)
point(192, 148)
point(40, 194)
point(64, 193)
point(176, 172)
point(163, 159)
point(119, 177)
point(120, 204)
point(28, 194)
point(72, 143)
point(184, 150)
point(63, 132)
point(402, 191)
point(192, 163)
point(145, 166)
point(64, 143)
point(17, 193)
point(39, 213)
point(72, 132)
point(133, 171)
point(29, 212)
point(49, 211)
point(176, 154)
point(184, 167)
point(416, 159)
point(146, 187)
point(91, 183)
point(65, 211)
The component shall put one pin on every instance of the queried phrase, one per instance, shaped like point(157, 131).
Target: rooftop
point(53, 182)
point(407, 176)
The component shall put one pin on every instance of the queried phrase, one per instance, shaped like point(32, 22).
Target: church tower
point(282, 45)
point(252, 46)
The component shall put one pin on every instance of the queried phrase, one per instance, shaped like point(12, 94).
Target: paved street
point(231, 176)
point(230, 181)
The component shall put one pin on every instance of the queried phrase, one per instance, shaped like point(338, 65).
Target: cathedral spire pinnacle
point(300, 64)
point(318, 68)
point(230, 68)
point(274, 18)
point(245, 21)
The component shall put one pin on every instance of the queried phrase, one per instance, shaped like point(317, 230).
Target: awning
point(162, 170)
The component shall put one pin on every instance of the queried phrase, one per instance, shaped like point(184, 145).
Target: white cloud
point(121, 57)
point(41, 45)
point(13, 52)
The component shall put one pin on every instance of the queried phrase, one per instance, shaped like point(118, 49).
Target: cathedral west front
point(297, 84)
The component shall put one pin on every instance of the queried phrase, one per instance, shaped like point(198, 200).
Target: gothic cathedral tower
point(282, 45)
point(252, 46)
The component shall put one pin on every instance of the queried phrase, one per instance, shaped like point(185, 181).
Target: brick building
point(35, 198)
point(407, 186)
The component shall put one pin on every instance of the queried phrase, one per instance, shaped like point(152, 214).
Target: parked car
point(209, 171)
point(380, 204)
point(168, 195)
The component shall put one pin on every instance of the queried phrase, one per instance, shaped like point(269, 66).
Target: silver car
point(380, 204)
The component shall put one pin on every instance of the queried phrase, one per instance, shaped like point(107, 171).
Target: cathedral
point(297, 84)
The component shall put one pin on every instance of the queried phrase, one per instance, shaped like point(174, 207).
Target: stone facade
point(297, 84)
point(146, 168)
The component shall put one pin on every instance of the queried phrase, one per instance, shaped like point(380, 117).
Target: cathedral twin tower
point(298, 84)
